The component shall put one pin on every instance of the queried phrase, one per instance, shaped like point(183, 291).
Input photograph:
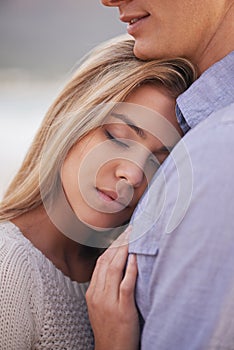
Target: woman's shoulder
point(21, 292)
point(13, 245)
point(17, 262)
point(24, 259)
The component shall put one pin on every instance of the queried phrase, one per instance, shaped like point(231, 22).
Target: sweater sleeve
point(20, 298)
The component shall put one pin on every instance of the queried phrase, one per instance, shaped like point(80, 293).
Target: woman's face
point(105, 174)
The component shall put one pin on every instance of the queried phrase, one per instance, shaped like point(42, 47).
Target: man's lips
point(135, 22)
point(132, 19)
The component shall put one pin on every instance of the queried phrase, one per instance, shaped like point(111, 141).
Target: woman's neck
point(74, 259)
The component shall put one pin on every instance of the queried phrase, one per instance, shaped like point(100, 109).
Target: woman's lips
point(108, 196)
point(111, 197)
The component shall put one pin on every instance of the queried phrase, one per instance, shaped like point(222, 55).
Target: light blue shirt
point(183, 228)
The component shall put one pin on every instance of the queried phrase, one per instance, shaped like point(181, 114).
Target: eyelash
point(114, 139)
point(154, 161)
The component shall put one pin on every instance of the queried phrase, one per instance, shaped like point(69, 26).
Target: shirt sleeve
point(19, 299)
point(185, 289)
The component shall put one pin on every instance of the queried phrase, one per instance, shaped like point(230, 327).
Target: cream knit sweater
point(40, 307)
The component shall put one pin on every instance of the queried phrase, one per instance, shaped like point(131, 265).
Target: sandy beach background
point(41, 43)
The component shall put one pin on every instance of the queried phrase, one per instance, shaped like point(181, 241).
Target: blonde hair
point(107, 74)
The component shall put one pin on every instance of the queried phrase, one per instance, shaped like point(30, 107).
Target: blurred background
point(41, 42)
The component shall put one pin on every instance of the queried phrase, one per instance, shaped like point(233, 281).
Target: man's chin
point(141, 53)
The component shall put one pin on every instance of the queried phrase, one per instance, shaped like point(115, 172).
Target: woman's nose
point(130, 172)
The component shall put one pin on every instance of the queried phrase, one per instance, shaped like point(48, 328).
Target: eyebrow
point(140, 131)
point(130, 123)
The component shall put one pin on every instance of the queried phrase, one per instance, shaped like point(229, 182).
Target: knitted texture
point(40, 307)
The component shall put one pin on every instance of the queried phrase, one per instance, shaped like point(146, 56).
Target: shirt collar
point(213, 90)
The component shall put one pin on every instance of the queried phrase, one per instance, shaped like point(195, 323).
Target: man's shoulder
point(194, 173)
point(213, 90)
point(220, 119)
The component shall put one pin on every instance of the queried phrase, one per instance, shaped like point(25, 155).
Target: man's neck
point(221, 44)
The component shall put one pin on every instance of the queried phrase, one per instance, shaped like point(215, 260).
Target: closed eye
point(154, 161)
point(116, 140)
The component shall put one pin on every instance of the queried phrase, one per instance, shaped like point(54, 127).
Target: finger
point(115, 268)
point(123, 239)
point(115, 272)
point(98, 279)
point(127, 287)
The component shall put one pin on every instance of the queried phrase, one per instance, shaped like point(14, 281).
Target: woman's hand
point(110, 299)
